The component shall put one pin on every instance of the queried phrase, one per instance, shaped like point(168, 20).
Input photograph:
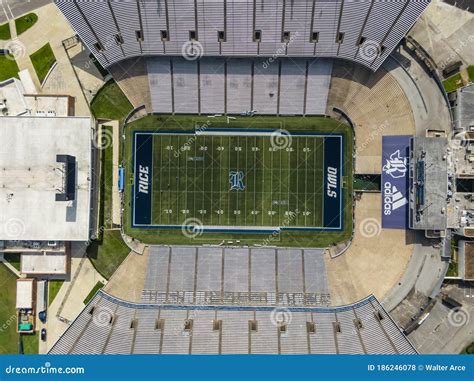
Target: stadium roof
point(32, 178)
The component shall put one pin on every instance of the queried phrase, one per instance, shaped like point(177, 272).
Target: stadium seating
point(216, 85)
point(111, 325)
point(115, 30)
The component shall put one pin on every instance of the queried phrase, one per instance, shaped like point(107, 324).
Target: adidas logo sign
point(393, 199)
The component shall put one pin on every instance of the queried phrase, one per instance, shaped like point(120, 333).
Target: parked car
point(4, 52)
point(42, 316)
point(43, 334)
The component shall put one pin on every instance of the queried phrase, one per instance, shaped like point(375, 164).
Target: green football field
point(280, 186)
point(237, 181)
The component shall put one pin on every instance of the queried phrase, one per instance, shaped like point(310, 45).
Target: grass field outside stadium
point(192, 180)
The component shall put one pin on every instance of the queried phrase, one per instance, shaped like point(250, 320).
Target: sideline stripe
point(332, 182)
point(143, 184)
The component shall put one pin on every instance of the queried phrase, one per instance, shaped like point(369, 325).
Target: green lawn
point(106, 178)
point(453, 83)
point(5, 32)
point(13, 259)
point(42, 60)
point(367, 183)
point(470, 73)
point(30, 343)
point(285, 187)
point(53, 288)
point(453, 265)
point(8, 68)
point(8, 334)
point(111, 103)
point(108, 252)
point(96, 288)
point(469, 350)
point(24, 23)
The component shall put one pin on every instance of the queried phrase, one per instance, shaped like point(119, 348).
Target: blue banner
point(395, 178)
point(142, 185)
point(246, 367)
point(332, 182)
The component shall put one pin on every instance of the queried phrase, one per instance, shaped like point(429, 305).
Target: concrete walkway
point(9, 266)
point(51, 28)
point(69, 301)
point(376, 260)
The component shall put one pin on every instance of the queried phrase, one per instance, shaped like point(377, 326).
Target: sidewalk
point(51, 28)
point(69, 301)
point(9, 266)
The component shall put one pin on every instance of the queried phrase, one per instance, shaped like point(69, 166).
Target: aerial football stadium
point(244, 177)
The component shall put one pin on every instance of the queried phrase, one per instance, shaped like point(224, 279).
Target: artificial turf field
point(254, 175)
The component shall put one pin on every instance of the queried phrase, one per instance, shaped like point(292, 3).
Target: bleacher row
point(234, 85)
point(119, 29)
point(112, 326)
point(236, 298)
point(224, 275)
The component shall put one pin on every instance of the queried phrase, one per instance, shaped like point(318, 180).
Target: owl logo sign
point(236, 180)
point(396, 166)
point(395, 159)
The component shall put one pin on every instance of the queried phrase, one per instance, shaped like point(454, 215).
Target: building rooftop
point(24, 293)
point(466, 260)
point(430, 183)
point(464, 112)
point(12, 101)
point(32, 178)
point(43, 263)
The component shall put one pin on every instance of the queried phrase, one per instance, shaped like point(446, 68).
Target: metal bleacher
point(115, 30)
point(111, 325)
point(283, 86)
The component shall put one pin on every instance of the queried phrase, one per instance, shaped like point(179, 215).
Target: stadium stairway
point(377, 106)
point(132, 77)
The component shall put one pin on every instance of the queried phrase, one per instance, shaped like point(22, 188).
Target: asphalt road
point(10, 9)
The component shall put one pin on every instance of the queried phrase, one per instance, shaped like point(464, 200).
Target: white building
point(45, 182)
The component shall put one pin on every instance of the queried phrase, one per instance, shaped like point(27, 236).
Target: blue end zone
point(332, 182)
point(142, 186)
